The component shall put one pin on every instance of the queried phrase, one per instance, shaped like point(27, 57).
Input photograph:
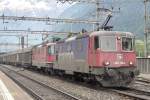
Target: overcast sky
point(39, 8)
point(34, 7)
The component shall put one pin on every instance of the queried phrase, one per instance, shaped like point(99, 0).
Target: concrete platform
point(9, 90)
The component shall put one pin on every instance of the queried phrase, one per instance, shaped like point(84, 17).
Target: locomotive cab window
point(51, 50)
point(108, 43)
point(96, 42)
point(127, 44)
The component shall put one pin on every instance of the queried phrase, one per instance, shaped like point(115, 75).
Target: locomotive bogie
point(116, 77)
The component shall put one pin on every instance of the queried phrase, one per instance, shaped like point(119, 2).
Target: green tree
point(139, 47)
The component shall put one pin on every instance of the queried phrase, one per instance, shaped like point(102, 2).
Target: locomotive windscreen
point(51, 50)
point(108, 43)
point(127, 44)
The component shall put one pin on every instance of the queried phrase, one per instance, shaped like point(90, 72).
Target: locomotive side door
point(94, 49)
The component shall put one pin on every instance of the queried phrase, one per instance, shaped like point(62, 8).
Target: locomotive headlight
point(106, 63)
point(130, 63)
point(118, 38)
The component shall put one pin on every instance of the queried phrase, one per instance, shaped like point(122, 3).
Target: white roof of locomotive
point(96, 33)
point(110, 32)
point(71, 38)
point(48, 44)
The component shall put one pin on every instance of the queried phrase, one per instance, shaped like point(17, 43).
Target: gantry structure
point(21, 34)
point(147, 27)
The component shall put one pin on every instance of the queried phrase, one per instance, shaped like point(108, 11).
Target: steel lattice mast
point(96, 2)
point(146, 26)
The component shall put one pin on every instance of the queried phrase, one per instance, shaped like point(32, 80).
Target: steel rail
point(30, 91)
point(140, 79)
point(134, 93)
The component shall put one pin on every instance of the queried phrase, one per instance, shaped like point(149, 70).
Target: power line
point(11, 44)
point(97, 12)
point(33, 32)
point(47, 19)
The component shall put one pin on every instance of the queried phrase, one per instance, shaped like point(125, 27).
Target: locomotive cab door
point(51, 54)
point(94, 51)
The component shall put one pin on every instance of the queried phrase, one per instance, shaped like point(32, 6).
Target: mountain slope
point(130, 18)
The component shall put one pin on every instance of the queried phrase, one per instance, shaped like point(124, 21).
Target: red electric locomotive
point(105, 56)
point(113, 54)
point(43, 56)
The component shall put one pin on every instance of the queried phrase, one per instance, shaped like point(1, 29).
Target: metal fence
point(143, 64)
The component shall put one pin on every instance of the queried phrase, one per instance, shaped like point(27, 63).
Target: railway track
point(134, 93)
point(140, 79)
point(38, 89)
point(127, 91)
point(142, 84)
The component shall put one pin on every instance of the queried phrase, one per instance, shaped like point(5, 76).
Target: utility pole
point(22, 42)
point(97, 13)
point(146, 27)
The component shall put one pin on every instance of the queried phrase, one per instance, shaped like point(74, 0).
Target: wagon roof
point(18, 51)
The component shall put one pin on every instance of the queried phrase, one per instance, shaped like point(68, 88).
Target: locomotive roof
point(97, 33)
point(48, 44)
point(43, 44)
point(111, 33)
